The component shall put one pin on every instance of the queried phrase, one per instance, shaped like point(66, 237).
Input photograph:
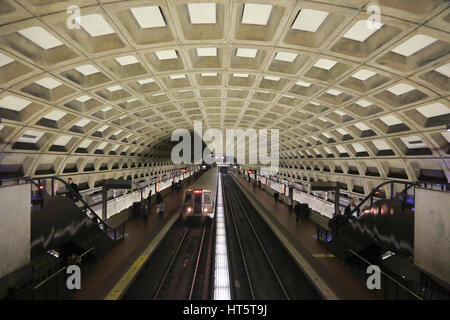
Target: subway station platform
point(139, 235)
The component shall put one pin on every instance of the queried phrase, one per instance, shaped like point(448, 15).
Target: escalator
point(385, 223)
point(59, 221)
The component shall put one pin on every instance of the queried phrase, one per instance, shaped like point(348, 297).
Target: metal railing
point(372, 194)
point(49, 282)
point(391, 289)
point(114, 233)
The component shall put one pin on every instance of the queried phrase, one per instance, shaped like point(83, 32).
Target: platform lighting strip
point(221, 274)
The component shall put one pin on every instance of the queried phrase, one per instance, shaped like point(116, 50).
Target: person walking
point(275, 197)
point(254, 185)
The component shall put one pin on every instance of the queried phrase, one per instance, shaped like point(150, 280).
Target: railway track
point(182, 280)
point(262, 269)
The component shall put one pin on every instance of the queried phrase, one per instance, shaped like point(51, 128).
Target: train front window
point(206, 198)
point(197, 202)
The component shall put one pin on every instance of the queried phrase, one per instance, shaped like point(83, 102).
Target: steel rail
point(196, 264)
point(244, 260)
point(171, 264)
point(262, 246)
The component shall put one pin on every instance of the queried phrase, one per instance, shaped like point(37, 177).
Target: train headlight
point(189, 209)
point(205, 210)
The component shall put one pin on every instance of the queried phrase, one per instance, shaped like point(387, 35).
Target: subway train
point(199, 199)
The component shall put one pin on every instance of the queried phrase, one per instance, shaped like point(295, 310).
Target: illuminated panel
point(221, 273)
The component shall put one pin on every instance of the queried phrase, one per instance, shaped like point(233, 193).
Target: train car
point(199, 199)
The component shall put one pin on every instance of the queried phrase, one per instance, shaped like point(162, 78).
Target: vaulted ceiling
point(110, 85)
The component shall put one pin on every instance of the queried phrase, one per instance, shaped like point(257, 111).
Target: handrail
point(60, 270)
point(67, 185)
point(386, 275)
point(377, 188)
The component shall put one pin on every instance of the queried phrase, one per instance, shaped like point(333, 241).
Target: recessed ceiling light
point(381, 145)
point(82, 122)
point(340, 113)
point(309, 20)
point(158, 94)
point(48, 83)
point(145, 81)
point(434, 110)
point(263, 92)
point(131, 100)
point(62, 140)
point(202, 13)
point(4, 60)
point(303, 84)
point(358, 147)
point(334, 92)
point(166, 54)
point(314, 103)
point(326, 64)
point(114, 88)
point(241, 75)
point(342, 131)
point(103, 128)
point(361, 126)
point(206, 52)
point(86, 143)
point(106, 109)
point(95, 25)
point(256, 14)
point(83, 99)
point(360, 31)
point(55, 115)
point(285, 56)
point(148, 17)
point(14, 103)
point(414, 44)
point(271, 78)
point(246, 53)
point(41, 37)
point(209, 74)
point(445, 70)
point(413, 142)
point(363, 74)
point(391, 120)
point(400, 89)
point(30, 136)
point(177, 76)
point(87, 69)
point(102, 145)
point(364, 103)
point(127, 60)
point(341, 149)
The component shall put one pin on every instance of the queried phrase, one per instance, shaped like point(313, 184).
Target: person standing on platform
point(254, 185)
point(297, 210)
point(73, 193)
point(275, 197)
point(159, 198)
point(149, 198)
